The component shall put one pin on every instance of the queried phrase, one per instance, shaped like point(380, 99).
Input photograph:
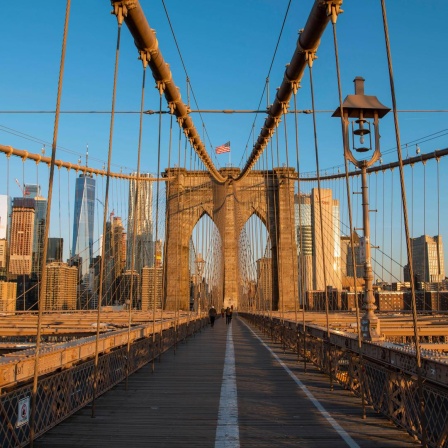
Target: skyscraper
point(83, 220)
point(142, 213)
point(60, 293)
point(4, 206)
point(302, 208)
point(427, 259)
point(22, 232)
point(33, 191)
point(39, 233)
point(264, 280)
point(55, 246)
point(326, 239)
point(318, 240)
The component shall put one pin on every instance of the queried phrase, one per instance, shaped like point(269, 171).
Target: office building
point(326, 240)
point(8, 296)
point(4, 213)
point(318, 240)
point(140, 215)
point(22, 234)
point(3, 256)
point(84, 220)
point(427, 259)
point(347, 269)
point(151, 288)
point(264, 284)
point(31, 191)
point(54, 249)
point(61, 288)
point(39, 233)
point(123, 286)
point(303, 215)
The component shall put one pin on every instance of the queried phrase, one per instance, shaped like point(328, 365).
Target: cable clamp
point(295, 85)
point(310, 56)
point(144, 56)
point(334, 9)
point(121, 9)
point(160, 85)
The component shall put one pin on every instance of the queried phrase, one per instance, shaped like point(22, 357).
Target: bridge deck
point(191, 394)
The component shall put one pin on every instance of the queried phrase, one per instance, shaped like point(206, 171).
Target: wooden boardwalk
point(185, 400)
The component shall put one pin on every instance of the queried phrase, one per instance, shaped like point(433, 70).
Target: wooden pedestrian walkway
point(229, 386)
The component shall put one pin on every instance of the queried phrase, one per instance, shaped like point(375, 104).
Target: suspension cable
point(43, 284)
point(408, 237)
point(316, 153)
point(349, 209)
point(119, 12)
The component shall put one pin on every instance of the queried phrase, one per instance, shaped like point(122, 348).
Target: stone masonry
point(267, 194)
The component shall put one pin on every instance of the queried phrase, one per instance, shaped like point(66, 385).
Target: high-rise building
point(22, 233)
point(61, 290)
point(124, 288)
point(84, 220)
point(4, 213)
point(3, 255)
point(264, 286)
point(141, 213)
point(39, 233)
point(151, 288)
point(427, 259)
point(8, 295)
point(31, 190)
point(54, 250)
point(158, 254)
point(347, 269)
point(318, 240)
point(326, 240)
point(114, 261)
point(304, 226)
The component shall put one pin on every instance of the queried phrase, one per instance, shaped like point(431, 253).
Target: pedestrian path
point(227, 387)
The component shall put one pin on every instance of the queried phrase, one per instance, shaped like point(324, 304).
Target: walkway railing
point(59, 395)
point(387, 376)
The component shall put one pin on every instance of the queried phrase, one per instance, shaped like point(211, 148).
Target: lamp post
point(365, 112)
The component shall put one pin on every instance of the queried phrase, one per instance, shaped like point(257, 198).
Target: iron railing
point(61, 394)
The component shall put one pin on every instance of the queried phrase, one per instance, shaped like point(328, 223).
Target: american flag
point(223, 148)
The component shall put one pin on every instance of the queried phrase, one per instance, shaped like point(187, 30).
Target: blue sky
point(227, 48)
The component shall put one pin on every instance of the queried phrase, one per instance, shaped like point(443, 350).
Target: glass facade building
point(83, 221)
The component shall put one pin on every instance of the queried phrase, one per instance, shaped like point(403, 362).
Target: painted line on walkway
point(338, 428)
point(227, 430)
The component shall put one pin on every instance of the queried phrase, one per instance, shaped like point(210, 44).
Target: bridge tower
point(267, 194)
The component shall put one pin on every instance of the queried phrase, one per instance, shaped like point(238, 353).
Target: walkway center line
point(227, 430)
point(338, 428)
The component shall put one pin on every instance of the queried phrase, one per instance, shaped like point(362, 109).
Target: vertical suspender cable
point(316, 153)
point(408, 237)
point(43, 284)
point(301, 268)
point(291, 210)
point(165, 246)
point(137, 208)
point(391, 220)
point(161, 88)
point(119, 12)
point(350, 216)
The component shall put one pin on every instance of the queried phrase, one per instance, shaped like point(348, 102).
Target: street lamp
point(363, 109)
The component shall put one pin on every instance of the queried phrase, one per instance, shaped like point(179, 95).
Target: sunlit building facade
point(140, 215)
point(22, 234)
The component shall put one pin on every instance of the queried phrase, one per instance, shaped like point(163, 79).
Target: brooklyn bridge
point(307, 215)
